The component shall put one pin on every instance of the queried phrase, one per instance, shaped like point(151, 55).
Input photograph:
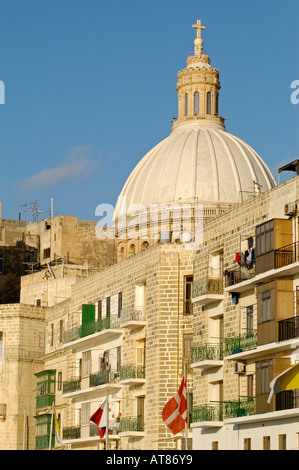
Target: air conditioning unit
point(290, 208)
point(240, 368)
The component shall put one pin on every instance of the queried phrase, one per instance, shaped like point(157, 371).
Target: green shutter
point(88, 314)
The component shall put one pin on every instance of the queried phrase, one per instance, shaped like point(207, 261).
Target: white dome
point(203, 164)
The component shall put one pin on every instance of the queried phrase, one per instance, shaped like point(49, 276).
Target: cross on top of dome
point(198, 41)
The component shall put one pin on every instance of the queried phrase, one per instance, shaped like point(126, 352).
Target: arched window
point(132, 250)
point(196, 102)
point(209, 103)
point(186, 104)
point(217, 104)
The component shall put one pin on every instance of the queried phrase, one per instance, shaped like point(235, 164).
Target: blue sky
point(90, 87)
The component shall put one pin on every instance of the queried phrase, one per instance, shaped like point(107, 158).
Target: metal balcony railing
point(207, 352)
point(131, 424)
point(219, 411)
point(288, 328)
point(207, 286)
point(72, 385)
point(90, 328)
point(287, 254)
point(132, 314)
point(132, 371)
point(240, 343)
point(104, 377)
point(238, 274)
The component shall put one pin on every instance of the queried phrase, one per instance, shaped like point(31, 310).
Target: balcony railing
point(75, 432)
point(207, 286)
point(207, 352)
point(90, 328)
point(288, 328)
point(96, 379)
point(219, 411)
point(132, 371)
point(72, 385)
point(286, 255)
point(235, 275)
point(132, 314)
point(104, 377)
point(240, 343)
point(131, 424)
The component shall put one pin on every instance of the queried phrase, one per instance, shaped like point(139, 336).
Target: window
point(266, 298)
point(249, 319)
point(85, 413)
point(1, 264)
point(188, 295)
point(86, 363)
point(282, 442)
point(59, 381)
point(264, 377)
point(247, 443)
point(266, 443)
point(215, 445)
point(108, 307)
point(265, 238)
point(120, 304)
point(186, 104)
point(51, 334)
point(99, 310)
point(250, 385)
point(196, 102)
point(140, 413)
point(61, 331)
point(209, 103)
point(47, 253)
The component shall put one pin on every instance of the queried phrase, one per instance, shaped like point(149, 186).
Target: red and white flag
point(100, 418)
point(174, 413)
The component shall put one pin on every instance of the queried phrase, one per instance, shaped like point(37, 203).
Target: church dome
point(199, 162)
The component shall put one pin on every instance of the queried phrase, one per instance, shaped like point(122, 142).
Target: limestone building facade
point(245, 328)
point(119, 315)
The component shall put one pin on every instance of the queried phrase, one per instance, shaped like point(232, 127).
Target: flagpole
point(51, 427)
point(186, 424)
point(107, 420)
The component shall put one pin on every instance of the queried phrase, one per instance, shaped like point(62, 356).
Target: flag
point(287, 380)
point(100, 418)
point(57, 429)
point(174, 413)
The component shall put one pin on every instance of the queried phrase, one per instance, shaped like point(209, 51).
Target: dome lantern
point(198, 88)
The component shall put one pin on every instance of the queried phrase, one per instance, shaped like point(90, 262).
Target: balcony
point(207, 356)
point(288, 328)
point(131, 426)
point(105, 329)
point(88, 432)
point(236, 275)
point(207, 290)
point(215, 414)
point(275, 264)
point(132, 318)
point(238, 344)
point(103, 380)
point(132, 374)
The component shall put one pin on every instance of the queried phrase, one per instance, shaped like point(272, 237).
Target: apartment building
point(245, 328)
point(123, 336)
